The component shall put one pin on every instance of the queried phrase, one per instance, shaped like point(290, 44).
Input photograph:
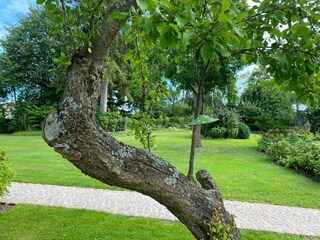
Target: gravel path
point(248, 215)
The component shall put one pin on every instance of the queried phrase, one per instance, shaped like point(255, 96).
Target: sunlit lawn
point(242, 173)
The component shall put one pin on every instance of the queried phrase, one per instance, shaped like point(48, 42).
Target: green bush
point(5, 124)
point(264, 107)
point(110, 121)
point(5, 174)
point(232, 132)
point(232, 120)
point(217, 132)
point(29, 117)
point(243, 131)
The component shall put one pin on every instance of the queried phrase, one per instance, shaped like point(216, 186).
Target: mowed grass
point(241, 172)
point(35, 162)
point(30, 222)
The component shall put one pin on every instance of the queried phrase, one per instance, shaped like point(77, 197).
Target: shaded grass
point(241, 172)
point(30, 222)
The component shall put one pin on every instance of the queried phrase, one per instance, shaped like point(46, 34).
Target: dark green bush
point(263, 106)
point(5, 124)
point(217, 132)
point(5, 174)
point(29, 117)
point(243, 131)
point(110, 121)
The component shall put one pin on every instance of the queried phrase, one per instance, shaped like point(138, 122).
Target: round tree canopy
point(202, 119)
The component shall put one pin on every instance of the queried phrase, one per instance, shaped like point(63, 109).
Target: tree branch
point(68, 26)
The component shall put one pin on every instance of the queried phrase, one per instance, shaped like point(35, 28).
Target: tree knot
point(206, 180)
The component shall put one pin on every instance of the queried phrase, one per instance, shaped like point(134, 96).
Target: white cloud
point(245, 73)
point(10, 11)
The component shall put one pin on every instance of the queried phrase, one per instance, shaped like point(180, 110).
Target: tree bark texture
point(72, 130)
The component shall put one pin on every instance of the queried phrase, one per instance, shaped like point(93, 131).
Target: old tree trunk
point(72, 130)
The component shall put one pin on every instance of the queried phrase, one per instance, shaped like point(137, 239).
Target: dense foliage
point(228, 126)
point(298, 149)
point(111, 121)
point(5, 173)
point(264, 106)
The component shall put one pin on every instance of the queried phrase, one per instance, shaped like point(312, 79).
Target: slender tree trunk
point(72, 130)
point(196, 130)
point(104, 96)
point(198, 112)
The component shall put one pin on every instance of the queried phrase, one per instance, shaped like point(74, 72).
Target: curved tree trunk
point(72, 130)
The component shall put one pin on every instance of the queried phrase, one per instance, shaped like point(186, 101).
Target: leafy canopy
point(282, 36)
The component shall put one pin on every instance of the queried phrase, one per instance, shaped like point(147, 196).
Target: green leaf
point(119, 15)
point(223, 50)
point(168, 40)
point(223, 18)
point(238, 31)
point(163, 28)
point(40, 1)
point(181, 21)
point(225, 5)
point(206, 53)
point(50, 6)
point(263, 60)
point(175, 27)
point(142, 5)
point(167, 3)
point(188, 35)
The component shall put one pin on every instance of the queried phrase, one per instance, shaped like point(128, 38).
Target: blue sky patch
point(10, 11)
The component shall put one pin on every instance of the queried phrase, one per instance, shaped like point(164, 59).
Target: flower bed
point(298, 149)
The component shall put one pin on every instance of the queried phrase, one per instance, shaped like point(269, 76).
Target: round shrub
point(243, 131)
point(218, 132)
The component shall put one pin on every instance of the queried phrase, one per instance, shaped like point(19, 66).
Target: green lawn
point(30, 222)
point(242, 173)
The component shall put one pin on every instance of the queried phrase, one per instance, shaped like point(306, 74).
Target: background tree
point(264, 106)
point(28, 72)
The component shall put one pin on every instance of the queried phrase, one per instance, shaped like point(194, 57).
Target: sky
point(10, 11)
